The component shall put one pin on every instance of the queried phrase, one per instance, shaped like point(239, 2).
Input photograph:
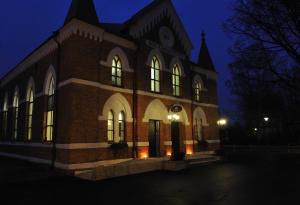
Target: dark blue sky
point(25, 24)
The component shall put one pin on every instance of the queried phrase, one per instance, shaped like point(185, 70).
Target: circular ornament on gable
point(166, 36)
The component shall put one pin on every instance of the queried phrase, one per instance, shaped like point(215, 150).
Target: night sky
point(25, 24)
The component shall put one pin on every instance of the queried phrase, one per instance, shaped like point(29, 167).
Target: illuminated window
point(29, 114)
point(15, 115)
point(48, 137)
point(155, 75)
point(110, 126)
point(176, 80)
point(116, 71)
point(122, 126)
point(197, 90)
point(4, 118)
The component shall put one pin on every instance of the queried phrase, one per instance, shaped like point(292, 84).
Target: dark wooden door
point(154, 135)
point(175, 132)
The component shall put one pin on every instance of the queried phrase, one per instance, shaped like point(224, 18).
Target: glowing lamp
point(266, 119)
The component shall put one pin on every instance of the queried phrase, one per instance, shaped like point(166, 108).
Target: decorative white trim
point(75, 27)
point(50, 74)
point(189, 142)
point(23, 144)
point(177, 61)
point(72, 146)
point(168, 143)
point(156, 52)
point(139, 144)
point(213, 141)
point(129, 91)
point(199, 112)
point(87, 165)
point(117, 51)
point(117, 103)
point(94, 84)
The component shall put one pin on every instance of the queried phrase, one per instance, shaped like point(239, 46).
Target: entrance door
point(175, 132)
point(154, 128)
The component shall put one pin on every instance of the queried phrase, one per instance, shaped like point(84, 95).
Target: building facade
point(95, 92)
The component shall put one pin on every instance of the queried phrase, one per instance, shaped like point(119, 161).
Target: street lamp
point(222, 123)
point(266, 119)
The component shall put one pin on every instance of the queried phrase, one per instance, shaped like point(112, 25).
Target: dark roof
point(83, 10)
point(143, 11)
point(112, 27)
point(205, 60)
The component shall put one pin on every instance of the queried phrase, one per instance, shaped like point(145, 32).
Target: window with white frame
point(4, 118)
point(15, 115)
point(116, 71)
point(48, 136)
point(176, 81)
point(197, 91)
point(122, 126)
point(155, 75)
point(110, 126)
point(29, 114)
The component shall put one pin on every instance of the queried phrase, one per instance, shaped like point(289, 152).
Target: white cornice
point(75, 27)
point(129, 91)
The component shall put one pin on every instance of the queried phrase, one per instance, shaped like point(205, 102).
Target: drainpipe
point(54, 149)
point(192, 114)
point(134, 108)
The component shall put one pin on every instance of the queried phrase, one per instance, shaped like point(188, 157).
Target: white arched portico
point(199, 121)
point(116, 104)
point(156, 110)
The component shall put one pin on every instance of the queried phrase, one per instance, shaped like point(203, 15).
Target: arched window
point(116, 71)
point(4, 118)
point(15, 115)
point(197, 91)
point(155, 75)
point(110, 126)
point(48, 137)
point(29, 113)
point(198, 129)
point(176, 81)
point(122, 126)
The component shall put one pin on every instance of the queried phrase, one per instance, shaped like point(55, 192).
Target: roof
point(204, 59)
point(83, 10)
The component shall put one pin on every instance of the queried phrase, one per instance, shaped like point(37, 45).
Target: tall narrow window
point(15, 115)
point(29, 114)
point(122, 126)
point(197, 90)
point(155, 75)
point(50, 111)
point(116, 71)
point(176, 80)
point(4, 119)
point(110, 126)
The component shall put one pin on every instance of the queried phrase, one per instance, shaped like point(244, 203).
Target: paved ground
point(272, 181)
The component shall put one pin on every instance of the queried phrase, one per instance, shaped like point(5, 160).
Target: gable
point(148, 18)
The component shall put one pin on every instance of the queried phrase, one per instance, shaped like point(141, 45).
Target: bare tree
point(274, 27)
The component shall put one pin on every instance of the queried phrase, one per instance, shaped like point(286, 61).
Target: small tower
point(204, 59)
point(83, 10)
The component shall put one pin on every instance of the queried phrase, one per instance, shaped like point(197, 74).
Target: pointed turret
point(205, 60)
point(83, 10)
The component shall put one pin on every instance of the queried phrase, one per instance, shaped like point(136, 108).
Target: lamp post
point(222, 123)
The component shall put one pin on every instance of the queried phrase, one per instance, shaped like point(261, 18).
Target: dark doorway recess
point(175, 132)
point(154, 136)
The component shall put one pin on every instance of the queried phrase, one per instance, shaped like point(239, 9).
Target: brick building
point(95, 91)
